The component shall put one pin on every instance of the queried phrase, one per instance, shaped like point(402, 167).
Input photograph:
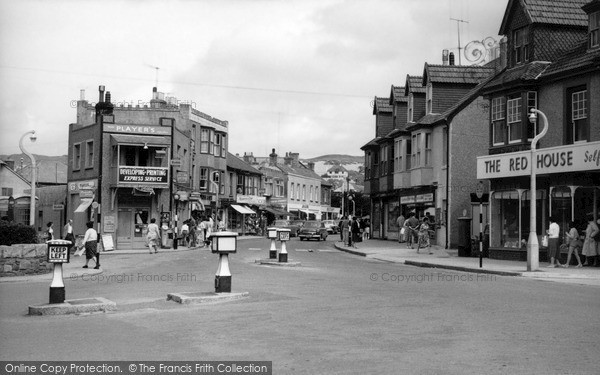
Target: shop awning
point(141, 140)
point(275, 211)
point(197, 206)
point(85, 203)
point(242, 209)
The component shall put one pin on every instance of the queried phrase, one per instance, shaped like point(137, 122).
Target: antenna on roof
point(458, 21)
point(156, 75)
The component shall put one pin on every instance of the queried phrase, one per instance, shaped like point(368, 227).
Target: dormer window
point(429, 98)
point(521, 45)
point(411, 106)
point(594, 29)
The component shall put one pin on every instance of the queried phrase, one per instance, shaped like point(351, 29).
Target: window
point(429, 98)
point(240, 184)
point(231, 188)
point(521, 46)
point(7, 192)
point(312, 192)
point(397, 155)
point(498, 121)
point(279, 192)
point(579, 128)
point(292, 190)
point(317, 194)
point(594, 29)
point(89, 154)
point(76, 156)
point(408, 152)
point(410, 107)
point(514, 120)
point(532, 128)
point(223, 146)
point(427, 149)
point(384, 163)
point(217, 148)
point(416, 156)
point(203, 179)
point(303, 192)
point(268, 186)
point(204, 140)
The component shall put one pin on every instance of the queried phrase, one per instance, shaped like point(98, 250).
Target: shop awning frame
point(242, 209)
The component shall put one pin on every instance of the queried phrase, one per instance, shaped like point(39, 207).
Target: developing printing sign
point(570, 158)
point(141, 175)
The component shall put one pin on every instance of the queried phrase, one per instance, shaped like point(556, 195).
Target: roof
point(382, 105)
point(236, 163)
point(414, 84)
point(459, 74)
point(397, 95)
point(48, 172)
point(337, 168)
point(574, 60)
point(553, 12)
point(371, 143)
point(520, 73)
point(301, 170)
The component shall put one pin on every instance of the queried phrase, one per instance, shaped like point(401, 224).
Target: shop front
point(568, 189)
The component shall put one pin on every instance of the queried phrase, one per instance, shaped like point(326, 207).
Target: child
point(424, 236)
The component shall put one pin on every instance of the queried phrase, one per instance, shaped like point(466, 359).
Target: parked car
point(293, 226)
point(313, 229)
point(332, 226)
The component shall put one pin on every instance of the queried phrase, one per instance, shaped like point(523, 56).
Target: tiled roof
point(554, 12)
point(456, 73)
point(397, 95)
point(382, 105)
point(574, 60)
point(234, 162)
point(371, 143)
point(300, 170)
point(414, 84)
point(525, 72)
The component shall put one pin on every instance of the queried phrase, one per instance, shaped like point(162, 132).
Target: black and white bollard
point(272, 235)
point(284, 236)
point(223, 243)
point(58, 253)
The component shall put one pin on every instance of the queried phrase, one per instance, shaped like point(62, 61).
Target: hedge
point(11, 233)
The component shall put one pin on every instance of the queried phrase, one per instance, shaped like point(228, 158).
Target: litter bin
point(464, 236)
point(168, 239)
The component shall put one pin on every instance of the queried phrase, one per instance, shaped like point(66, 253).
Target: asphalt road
point(336, 314)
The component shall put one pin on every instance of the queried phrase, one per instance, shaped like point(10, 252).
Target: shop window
point(505, 220)
point(513, 108)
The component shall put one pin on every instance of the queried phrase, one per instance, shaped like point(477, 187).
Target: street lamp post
point(176, 198)
point(533, 246)
point(33, 175)
point(215, 182)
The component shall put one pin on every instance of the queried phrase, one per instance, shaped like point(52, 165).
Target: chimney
point(101, 94)
point(288, 159)
point(273, 158)
point(445, 57)
point(503, 54)
point(82, 94)
point(295, 159)
point(451, 59)
point(311, 166)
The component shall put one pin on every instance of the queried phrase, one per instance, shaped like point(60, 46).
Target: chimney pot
point(451, 58)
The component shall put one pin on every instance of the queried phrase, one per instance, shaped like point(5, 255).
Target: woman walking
point(424, 236)
point(153, 236)
point(90, 241)
point(553, 248)
point(590, 245)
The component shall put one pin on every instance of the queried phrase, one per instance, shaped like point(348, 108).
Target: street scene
point(300, 187)
point(336, 313)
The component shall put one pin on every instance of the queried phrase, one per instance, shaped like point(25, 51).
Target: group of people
point(354, 229)
point(590, 246)
point(193, 232)
point(414, 230)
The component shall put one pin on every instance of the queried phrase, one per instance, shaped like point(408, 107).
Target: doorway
point(132, 228)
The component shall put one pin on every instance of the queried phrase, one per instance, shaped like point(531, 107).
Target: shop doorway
point(132, 228)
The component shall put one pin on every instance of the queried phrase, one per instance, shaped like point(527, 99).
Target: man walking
point(400, 222)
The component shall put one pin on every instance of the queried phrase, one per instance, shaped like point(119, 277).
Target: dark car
point(313, 229)
point(293, 226)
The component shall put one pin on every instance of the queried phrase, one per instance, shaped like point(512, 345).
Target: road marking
point(308, 250)
point(329, 251)
point(254, 249)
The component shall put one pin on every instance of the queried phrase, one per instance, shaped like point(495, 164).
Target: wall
point(24, 259)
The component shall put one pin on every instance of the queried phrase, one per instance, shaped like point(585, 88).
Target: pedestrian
point(49, 231)
point(348, 231)
point(423, 234)
point(356, 236)
point(185, 231)
point(412, 225)
point(553, 246)
point(208, 231)
point(90, 241)
point(590, 244)
point(153, 236)
point(341, 229)
point(401, 230)
point(202, 232)
point(192, 236)
point(68, 233)
point(574, 245)
point(367, 233)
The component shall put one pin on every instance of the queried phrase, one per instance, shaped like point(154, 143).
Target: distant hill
point(17, 158)
point(334, 159)
point(51, 170)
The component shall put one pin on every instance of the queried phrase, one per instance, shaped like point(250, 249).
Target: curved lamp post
point(33, 175)
point(533, 247)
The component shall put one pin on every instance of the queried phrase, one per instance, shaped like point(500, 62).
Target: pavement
point(394, 252)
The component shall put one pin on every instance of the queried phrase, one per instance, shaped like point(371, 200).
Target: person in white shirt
point(153, 236)
point(185, 231)
point(90, 241)
point(553, 247)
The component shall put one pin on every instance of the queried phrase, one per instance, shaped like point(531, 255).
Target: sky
point(295, 75)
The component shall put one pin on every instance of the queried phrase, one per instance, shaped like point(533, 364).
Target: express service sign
point(570, 158)
point(142, 175)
